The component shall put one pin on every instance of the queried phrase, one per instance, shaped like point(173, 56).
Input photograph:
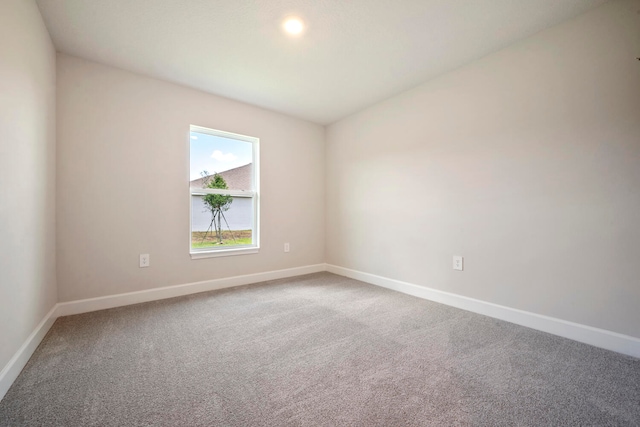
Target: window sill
point(224, 252)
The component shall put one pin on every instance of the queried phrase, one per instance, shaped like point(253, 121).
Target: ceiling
point(352, 54)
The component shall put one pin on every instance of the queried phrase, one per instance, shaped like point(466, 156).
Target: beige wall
point(27, 174)
point(123, 182)
point(526, 162)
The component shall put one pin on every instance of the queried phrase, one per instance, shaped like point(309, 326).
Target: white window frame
point(253, 194)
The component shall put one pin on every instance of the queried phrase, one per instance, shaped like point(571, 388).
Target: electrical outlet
point(457, 263)
point(144, 260)
point(286, 247)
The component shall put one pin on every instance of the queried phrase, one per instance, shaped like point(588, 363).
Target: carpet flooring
point(315, 350)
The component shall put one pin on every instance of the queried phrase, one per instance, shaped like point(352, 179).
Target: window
point(224, 192)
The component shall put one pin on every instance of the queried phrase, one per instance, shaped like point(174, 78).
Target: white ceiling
point(353, 53)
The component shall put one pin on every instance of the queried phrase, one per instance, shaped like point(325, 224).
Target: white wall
point(526, 162)
point(123, 182)
point(27, 174)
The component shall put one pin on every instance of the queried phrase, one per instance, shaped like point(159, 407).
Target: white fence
point(239, 216)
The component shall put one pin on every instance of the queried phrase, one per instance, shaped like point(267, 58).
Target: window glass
point(223, 189)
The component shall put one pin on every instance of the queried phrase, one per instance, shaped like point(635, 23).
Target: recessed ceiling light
point(293, 26)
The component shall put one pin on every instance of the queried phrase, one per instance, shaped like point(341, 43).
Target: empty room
point(320, 213)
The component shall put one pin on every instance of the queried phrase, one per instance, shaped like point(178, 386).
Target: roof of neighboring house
point(237, 178)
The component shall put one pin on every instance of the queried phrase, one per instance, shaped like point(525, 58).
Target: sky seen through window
point(216, 154)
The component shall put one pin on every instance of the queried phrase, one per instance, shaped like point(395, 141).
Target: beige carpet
point(314, 350)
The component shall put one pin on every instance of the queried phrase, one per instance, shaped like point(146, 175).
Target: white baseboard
point(12, 369)
point(613, 341)
point(119, 300)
